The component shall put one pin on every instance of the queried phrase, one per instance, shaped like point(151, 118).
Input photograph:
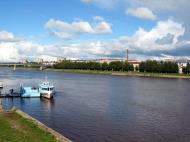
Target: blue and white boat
point(29, 92)
point(47, 90)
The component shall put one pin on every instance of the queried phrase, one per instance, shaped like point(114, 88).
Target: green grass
point(80, 71)
point(120, 73)
point(145, 74)
point(14, 128)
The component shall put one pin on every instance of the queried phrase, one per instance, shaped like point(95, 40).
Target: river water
point(103, 108)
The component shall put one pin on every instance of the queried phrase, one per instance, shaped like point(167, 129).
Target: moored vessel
point(1, 85)
point(47, 90)
point(29, 92)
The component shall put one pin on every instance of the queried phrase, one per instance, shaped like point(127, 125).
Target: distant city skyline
point(90, 29)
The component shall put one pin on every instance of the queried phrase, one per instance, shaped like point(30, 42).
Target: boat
point(1, 85)
point(14, 68)
point(29, 92)
point(47, 90)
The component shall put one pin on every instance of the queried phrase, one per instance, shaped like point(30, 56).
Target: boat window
point(34, 88)
point(51, 88)
point(45, 89)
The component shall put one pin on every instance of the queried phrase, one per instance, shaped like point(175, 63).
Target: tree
point(136, 68)
point(158, 66)
point(116, 65)
point(186, 70)
point(105, 66)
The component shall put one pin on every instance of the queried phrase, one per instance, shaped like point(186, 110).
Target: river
point(104, 108)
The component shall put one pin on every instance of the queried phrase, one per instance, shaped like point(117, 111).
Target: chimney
point(127, 54)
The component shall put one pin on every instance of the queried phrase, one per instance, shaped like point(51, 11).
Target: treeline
point(151, 66)
point(114, 65)
point(158, 67)
point(186, 70)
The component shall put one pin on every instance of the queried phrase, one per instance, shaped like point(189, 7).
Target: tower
point(127, 54)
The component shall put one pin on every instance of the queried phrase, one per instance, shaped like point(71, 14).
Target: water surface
point(103, 108)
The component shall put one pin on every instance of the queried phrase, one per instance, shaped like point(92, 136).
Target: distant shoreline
point(115, 73)
point(119, 73)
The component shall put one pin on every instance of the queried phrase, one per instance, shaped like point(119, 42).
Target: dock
point(10, 94)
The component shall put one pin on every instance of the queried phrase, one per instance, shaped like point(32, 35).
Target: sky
point(94, 29)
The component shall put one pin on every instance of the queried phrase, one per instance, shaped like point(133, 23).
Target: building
point(181, 64)
point(135, 63)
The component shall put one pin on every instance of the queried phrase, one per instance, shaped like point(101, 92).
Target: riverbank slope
point(120, 73)
point(116, 73)
point(17, 129)
point(18, 126)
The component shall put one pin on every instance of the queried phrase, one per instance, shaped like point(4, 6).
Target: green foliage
point(114, 65)
point(158, 67)
point(186, 70)
point(105, 66)
point(136, 68)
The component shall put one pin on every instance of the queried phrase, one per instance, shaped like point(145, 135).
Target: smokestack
point(127, 54)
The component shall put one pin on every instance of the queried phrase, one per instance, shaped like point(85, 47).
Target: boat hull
point(47, 95)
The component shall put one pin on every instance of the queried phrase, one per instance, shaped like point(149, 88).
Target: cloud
point(153, 4)
point(103, 28)
point(13, 49)
point(162, 39)
point(87, 1)
point(168, 39)
point(169, 5)
point(66, 30)
point(7, 37)
point(98, 18)
point(178, 9)
point(151, 40)
point(142, 13)
point(8, 52)
point(102, 3)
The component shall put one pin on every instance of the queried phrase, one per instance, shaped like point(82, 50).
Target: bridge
point(18, 64)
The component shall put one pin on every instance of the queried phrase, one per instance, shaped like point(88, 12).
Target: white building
point(182, 63)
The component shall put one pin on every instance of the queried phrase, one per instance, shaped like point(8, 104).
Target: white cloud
point(8, 52)
point(153, 4)
point(163, 39)
point(98, 18)
point(142, 13)
point(66, 30)
point(7, 37)
point(170, 5)
point(147, 40)
point(103, 28)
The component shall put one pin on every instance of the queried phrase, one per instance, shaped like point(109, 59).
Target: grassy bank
point(15, 128)
point(159, 75)
point(141, 74)
point(118, 73)
point(80, 71)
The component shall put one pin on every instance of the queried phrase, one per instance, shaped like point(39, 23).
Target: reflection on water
point(8, 103)
point(100, 108)
point(47, 104)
